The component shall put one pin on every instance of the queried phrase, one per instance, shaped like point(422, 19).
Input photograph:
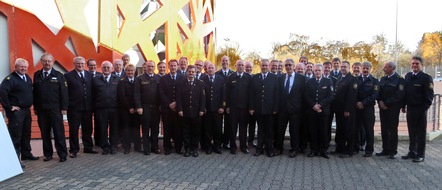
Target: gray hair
point(391, 64)
point(366, 64)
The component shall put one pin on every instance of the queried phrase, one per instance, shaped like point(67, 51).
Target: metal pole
point(397, 53)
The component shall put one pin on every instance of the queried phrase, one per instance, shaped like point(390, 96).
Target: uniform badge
point(355, 85)
point(9, 77)
point(431, 86)
point(233, 81)
point(376, 87)
point(145, 82)
point(224, 103)
point(331, 87)
point(401, 87)
point(66, 83)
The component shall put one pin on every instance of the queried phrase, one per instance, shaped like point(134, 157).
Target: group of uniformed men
point(202, 107)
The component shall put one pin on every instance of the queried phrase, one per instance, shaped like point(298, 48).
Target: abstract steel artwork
point(106, 29)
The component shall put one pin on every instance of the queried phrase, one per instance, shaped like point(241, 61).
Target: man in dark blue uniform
point(264, 102)
point(291, 86)
point(318, 96)
point(238, 94)
point(191, 105)
point(368, 92)
point(50, 103)
point(16, 99)
point(147, 103)
point(171, 121)
point(225, 72)
point(390, 101)
point(80, 108)
point(130, 120)
point(104, 91)
point(418, 98)
point(215, 105)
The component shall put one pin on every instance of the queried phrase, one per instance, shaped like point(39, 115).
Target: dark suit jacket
point(220, 72)
point(123, 74)
point(147, 91)
point(191, 99)
point(264, 94)
point(14, 91)
point(346, 92)
point(80, 91)
point(419, 89)
point(168, 91)
point(51, 92)
point(105, 93)
point(238, 90)
point(368, 91)
point(292, 102)
point(125, 92)
point(318, 93)
point(215, 93)
point(392, 91)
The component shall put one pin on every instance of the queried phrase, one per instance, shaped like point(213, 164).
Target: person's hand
point(63, 112)
point(201, 113)
point(228, 110)
point(359, 105)
point(220, 110)
point(172, 106)
point(346, 114)
point(140, 111)
point(15, 108)
point(251, 112)
point(180, 113)
point(131, 110)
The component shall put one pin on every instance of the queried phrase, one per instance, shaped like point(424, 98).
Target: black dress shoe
point(367, 154)
point(381, 154)
point(312, 154)
point(63, 159)
point(146, 153)
point(226, 146)
point(126, 151)
point(232, 151)
point(105, 152)
point(156, 151)
point(217, 150)
point(195, 153)
point(47, 158)
point(418, 159)
point(258, 153)
point(325, 155)
point(187, 153)
point(335, 152)
point(345, 156)
point(392, 156)
point(30, 157)
point(278, 152)
point(113, 151)
point(408, 156)
point(252, 144)
point(167, 152)
point(90, 151)
point(292, 154)
point(301, 150)
point(362, 148)
point(209, 151)
point(270, 154)
point(245, 150)
point(73, 155)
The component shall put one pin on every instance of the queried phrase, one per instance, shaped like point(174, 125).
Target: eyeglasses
point(46, 61)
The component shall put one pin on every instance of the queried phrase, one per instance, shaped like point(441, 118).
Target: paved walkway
point(226, 171)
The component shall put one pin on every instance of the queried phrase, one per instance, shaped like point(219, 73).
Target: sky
point(257, 24)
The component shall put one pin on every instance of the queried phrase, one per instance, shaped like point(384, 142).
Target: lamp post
point(227, 47)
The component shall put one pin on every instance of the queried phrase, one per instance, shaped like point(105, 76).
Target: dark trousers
point(131, 130)
point(172, 124)
point(330, 123)
point(227, 129)
point(293, 120)
point(75, 119)
point(97, 134)
point(108, 120)
point(191, 132)
point(365, 120)
point(417, 129)
point(213, 129)
point(303, 132)
point(345, 133)
point(265, 132)
point(238, 118)
point(389, 124)
point(52, 119)
point(251, 128)
point(150, 121)
point(19, 127)
point(318, 132)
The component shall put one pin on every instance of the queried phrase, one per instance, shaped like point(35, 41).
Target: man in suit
point(130, 120)
point(303, 131)
point(104, 91)
point(390, 101)
point(335, 73)
point(214, 87)
point(147, 103)
point(318, 95)
point(419, 95)
point(336, 62)
point(79, 83)
point(118, 68)
point(345, 99)
point(264, 96)
point(50, 104)
point(224, 72)
point(16, 98)
point(126, 60)
point(161, 66)
point(252, 120)
point(191, 105)
point(168, 96)
point(281, 67)
point(199, 69)
point(92, 66)
point(368, 92)
point(274, 66)
point(300, 68)
point(237, 94)
point(183, 63)
point(291, 86)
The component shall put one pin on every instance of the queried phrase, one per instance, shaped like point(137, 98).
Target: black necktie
point(105, 79)
point(287, 84)
point(24, 78)
point(364, 79)
point(81, 76)
point(211, 79)
point(45, 75)
point(225, 73)
point(263, 76)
